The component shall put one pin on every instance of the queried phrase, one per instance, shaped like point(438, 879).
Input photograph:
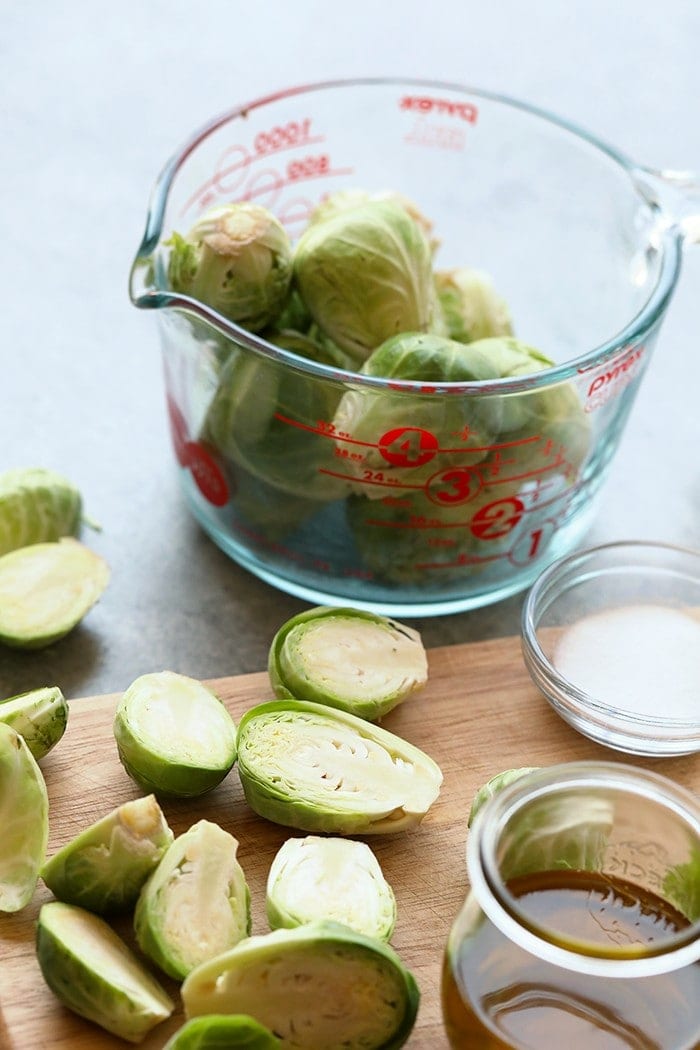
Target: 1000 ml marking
point(250, 173)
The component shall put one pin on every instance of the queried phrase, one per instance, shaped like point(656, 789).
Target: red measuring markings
point(452, 486)
point(207, 474)
point(178, 431)
point(408, 446)
point(497, 519)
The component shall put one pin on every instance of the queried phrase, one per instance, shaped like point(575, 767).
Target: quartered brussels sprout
point(365, 275)
point(196, 904)
point(104, 867)
point(24, 821)
point(46, 590)
point(355, 660)
point(236, 259)
point(174, 736)
point(40, 716)
point(36, 506)
point(94, 973)
point(317, 878)
point(318, 986)
point(493, 786)
point(470, 306)
point(319, 769)
point(223, 1032)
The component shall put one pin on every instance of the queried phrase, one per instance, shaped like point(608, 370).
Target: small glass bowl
point(611, 637)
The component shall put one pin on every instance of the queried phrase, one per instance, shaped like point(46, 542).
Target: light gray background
point(95, 96)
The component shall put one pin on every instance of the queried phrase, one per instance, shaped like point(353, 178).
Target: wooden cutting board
point(478, 714)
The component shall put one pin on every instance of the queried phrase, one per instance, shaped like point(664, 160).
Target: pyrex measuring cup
point(409, 497)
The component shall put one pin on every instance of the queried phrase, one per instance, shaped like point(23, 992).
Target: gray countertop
point(93, 102)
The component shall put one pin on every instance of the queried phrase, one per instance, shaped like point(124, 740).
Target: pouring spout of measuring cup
point(676, 197)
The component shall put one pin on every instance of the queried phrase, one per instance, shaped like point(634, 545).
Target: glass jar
point(582, 925)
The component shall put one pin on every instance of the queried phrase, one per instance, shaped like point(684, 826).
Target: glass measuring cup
point(581, 927)
point(390, 493)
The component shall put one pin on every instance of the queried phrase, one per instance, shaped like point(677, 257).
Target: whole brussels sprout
point(470, 306)
point(365, 274)
point(36, 506)
point(351, 198)
point(237, 258)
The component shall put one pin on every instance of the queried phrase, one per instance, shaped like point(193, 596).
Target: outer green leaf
point(36, 506)
point(223, 1032)
point(104, 867)
point(24, 821)
point(40, 716)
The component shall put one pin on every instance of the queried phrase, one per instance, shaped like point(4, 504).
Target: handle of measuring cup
point(677, 195)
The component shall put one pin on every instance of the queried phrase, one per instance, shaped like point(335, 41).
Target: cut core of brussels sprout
point(196, 904)
point(316, 987)
point(39, 716)
point(173, 735)
point(105, 866)
point(353, 660)
point(223, 1032)
point(94, 973)
point(46, 590)
point(312, 767)
point(36, 506)
point(24, 821)
point(317, 878)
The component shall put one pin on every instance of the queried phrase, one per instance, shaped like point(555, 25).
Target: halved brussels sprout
point(317, 878)
point(319, 769)
point(196, 904)
point(173, 735)
point(24, 821)
point(36, 506)
point(223, 1032)
point(104, 867)
point(46, 590)
point(470, 306)
point(237, 258)
point(40, 716)
point(493, 786)
point(365, 275)
point(351, 659)
point(321, 985)
point(94, 973)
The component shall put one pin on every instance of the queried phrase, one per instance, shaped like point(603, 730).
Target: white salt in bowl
point(611, 637)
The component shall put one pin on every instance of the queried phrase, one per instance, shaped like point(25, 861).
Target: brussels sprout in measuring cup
point(237, 259)
point(307, 766)
point(36, 506)
point(196, 904)
point(104, 867)
point(320, 985)
point(91, 970)
point(40, 716)
point(470, 306)
point(337, 879)
point(174, 736)
point(24, 820)
point(223, 1032)
point(46, 590)
point(365, 274)
point(351, 659)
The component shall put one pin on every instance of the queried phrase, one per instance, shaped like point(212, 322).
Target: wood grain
point(479, 714)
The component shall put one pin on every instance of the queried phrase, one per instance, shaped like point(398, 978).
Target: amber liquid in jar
point(495, 995)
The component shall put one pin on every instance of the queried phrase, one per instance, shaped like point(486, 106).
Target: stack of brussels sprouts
point(360, 291)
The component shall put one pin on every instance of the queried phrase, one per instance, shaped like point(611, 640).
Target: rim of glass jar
point(633, 332)
point(503, 908)
point(546, 589)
